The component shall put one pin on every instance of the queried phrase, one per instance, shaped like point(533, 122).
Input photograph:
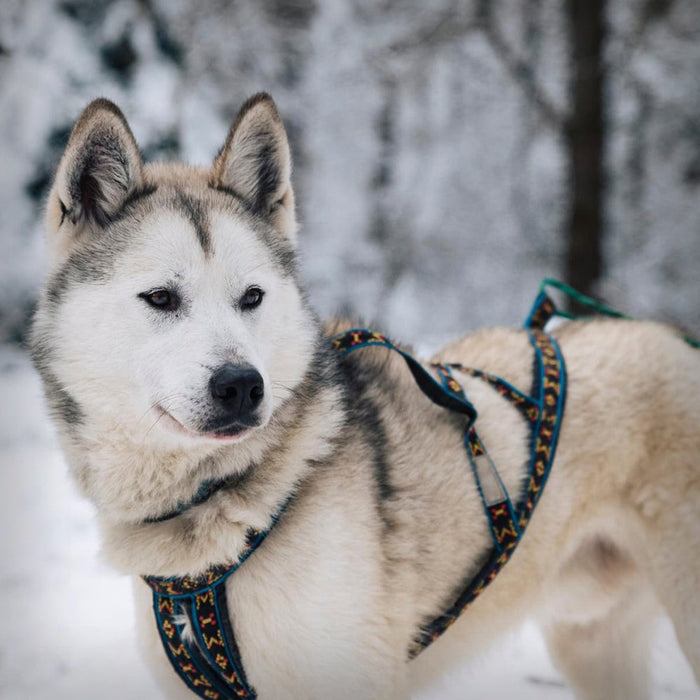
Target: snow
point(68, 630)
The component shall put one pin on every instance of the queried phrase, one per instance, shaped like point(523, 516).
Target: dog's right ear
point(99, 169)
point(255, 163)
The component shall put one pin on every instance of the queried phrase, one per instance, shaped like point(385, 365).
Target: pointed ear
point(256, 164)
point(100, 168)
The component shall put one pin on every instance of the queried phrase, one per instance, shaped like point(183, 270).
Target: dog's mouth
point(231, 432)
point(235, 430)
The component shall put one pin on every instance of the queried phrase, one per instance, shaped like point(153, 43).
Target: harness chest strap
point(211, 665)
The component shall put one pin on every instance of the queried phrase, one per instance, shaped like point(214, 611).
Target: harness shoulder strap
point(449, 396)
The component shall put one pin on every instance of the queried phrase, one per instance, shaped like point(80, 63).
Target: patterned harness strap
point(192, 612)
point(543, 412)
point(205, 656)
point(437, 392)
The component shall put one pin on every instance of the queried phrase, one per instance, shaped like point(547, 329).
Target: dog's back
point(616, 535)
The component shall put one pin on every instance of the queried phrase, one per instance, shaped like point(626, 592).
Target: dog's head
point(171, 308)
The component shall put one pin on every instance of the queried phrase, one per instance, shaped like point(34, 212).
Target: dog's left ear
point(100, 167)
point(256, 164)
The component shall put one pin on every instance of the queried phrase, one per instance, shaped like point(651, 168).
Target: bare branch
point(444, 30)
point(450, 26)
point(523, 74)
point(444, 27)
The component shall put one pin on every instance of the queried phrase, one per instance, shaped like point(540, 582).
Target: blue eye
point(161, 299)
point(252, 298)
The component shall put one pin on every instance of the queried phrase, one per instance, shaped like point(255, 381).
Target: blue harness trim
point(211, 666)
point(208, 660)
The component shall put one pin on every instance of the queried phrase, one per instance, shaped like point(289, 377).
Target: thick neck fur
point(130, 482)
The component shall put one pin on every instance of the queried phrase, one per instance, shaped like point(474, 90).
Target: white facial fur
point(121, 359)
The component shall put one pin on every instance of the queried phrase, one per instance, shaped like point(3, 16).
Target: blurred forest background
point(448, 154)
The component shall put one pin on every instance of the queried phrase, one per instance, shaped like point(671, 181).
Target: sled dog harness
point(206, 655)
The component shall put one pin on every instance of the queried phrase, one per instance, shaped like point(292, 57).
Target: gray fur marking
point(199, 218)
point(91, 264)
point(61, 401)
point(62, 404)
point(281, 248)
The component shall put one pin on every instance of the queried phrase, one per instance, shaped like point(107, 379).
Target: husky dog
point(176, 346)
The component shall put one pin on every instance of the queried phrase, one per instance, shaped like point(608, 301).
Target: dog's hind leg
point(606, 658)
point(675, 573)
point(599, 623)
point(667, 498)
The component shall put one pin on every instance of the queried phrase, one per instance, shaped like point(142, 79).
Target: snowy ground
point(67, 628)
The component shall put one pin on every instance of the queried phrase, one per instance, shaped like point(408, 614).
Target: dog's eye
point(161, 299)
point(252, 298)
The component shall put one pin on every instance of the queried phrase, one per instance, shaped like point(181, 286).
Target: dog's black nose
point(238, 389)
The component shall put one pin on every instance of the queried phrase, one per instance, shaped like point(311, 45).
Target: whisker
point(164, 403)
point(153, 425)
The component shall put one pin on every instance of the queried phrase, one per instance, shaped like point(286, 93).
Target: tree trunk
point(584, 137)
